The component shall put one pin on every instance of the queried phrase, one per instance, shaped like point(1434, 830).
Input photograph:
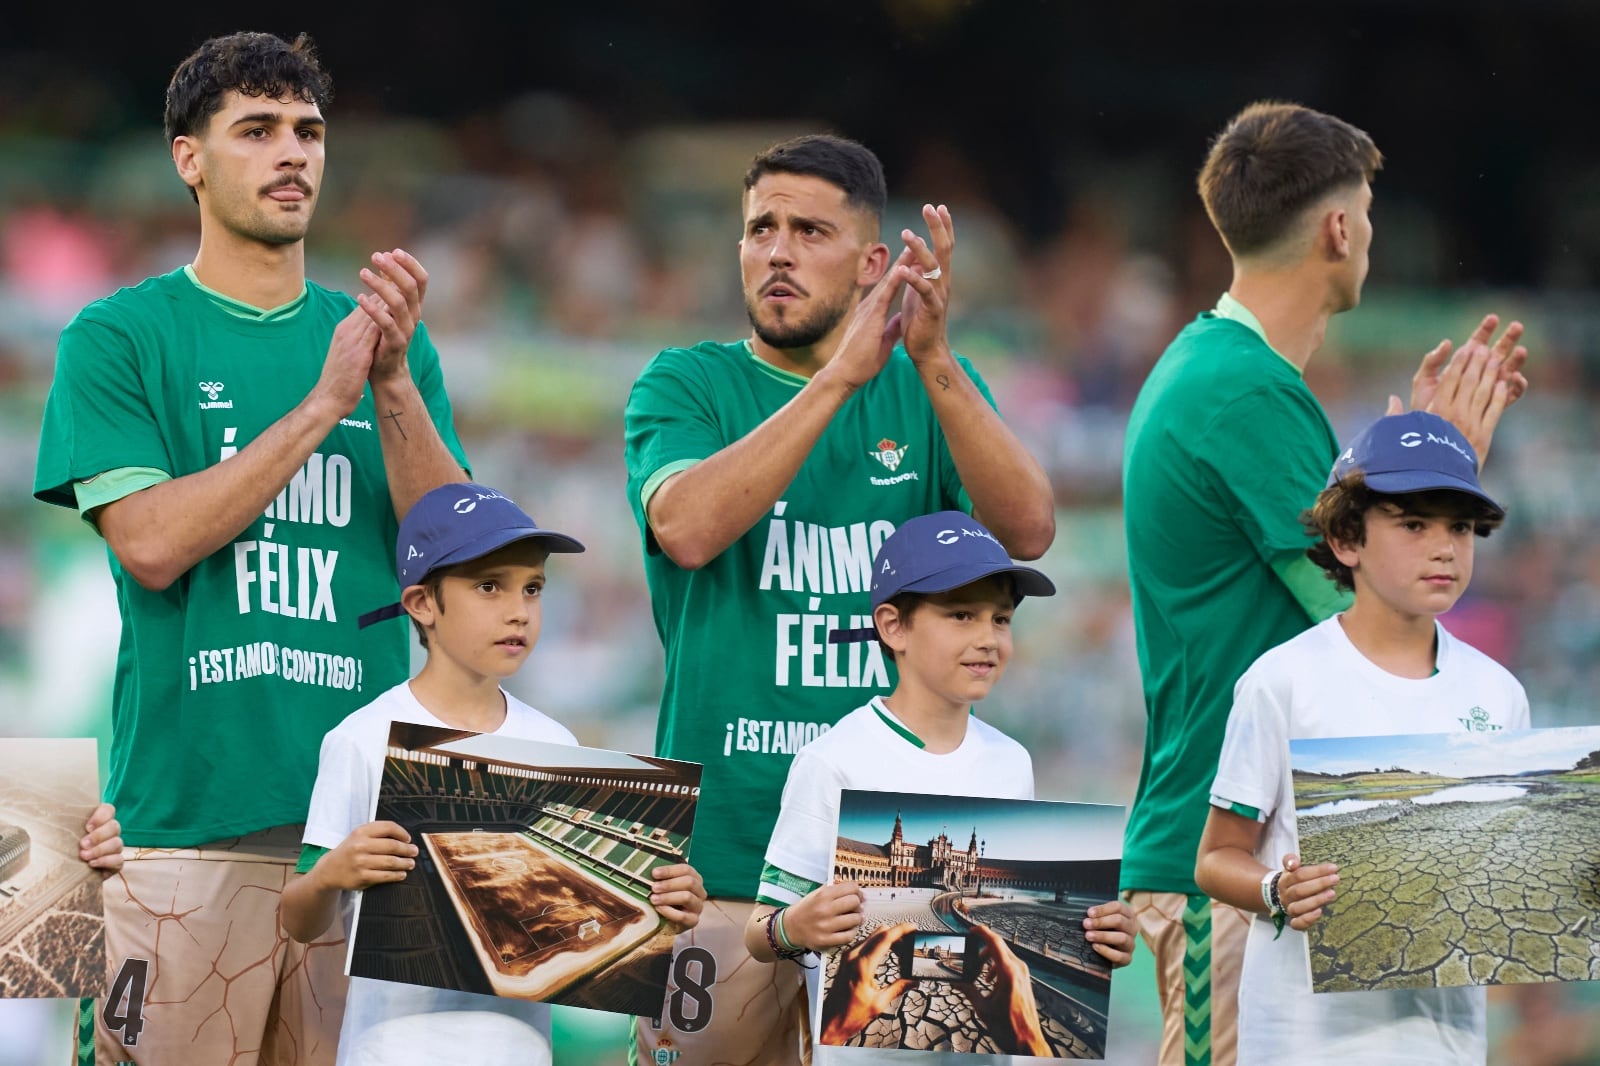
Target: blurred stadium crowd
point(566, 248)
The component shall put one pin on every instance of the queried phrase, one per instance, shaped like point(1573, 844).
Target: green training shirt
point(1226, 446)
point(750, 672)
point(227, 680)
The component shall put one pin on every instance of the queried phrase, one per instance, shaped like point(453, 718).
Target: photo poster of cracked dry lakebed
point(1468, 858)
point(533, 869)
point(973, 878)
point(52, 926)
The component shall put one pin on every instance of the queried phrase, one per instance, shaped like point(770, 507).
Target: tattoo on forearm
point(944, 382)
point(394, 416)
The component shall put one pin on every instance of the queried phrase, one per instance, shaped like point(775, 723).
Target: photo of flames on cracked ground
point(534, 871)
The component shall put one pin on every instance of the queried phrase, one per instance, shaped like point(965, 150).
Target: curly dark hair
point(1340, 514)
point(253, 64)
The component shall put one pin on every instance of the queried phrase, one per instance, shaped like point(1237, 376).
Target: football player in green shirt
point(243, 439)
point(1225, 447)
point(764, 474)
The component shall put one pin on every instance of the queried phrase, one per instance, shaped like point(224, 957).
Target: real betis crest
point(889, 454)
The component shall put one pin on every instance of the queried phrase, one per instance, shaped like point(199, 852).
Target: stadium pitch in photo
point(533, 873)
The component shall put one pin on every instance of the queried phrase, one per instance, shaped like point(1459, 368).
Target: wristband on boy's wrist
point(1269, 893)
point(775, 934)
point(783, 934)
point(1273, 901)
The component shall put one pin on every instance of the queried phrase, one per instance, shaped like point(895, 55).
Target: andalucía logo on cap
point(889, 454)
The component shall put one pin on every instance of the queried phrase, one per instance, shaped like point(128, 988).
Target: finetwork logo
point(213, 389)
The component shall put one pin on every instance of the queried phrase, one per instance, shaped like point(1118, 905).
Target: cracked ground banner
point(973, 939)
point(1468, 858)
point(534, 869)
point(52, 928)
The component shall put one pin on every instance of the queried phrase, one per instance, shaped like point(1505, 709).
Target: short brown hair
point(1340, 513)
point(433, 583)
point(903, 603)
point(1271, 162)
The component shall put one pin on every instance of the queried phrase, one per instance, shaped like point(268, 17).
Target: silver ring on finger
point(934, 275)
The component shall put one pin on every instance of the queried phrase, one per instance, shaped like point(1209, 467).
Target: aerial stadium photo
point(52, 932)
point(534, 873)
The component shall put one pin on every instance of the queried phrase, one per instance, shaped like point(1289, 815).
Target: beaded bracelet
point(774, 931)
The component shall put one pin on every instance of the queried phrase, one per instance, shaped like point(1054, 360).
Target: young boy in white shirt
point(943, 595)
point(471, 564)
point(1398, 522)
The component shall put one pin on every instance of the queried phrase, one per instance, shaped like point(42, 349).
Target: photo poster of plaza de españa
point(1467, 858)
point(978, 879)
point(533, 869)
point(52, 926)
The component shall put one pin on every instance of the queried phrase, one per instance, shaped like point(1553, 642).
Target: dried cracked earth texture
point(1461, 893)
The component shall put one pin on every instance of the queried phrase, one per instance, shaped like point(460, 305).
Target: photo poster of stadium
point(52, 926)
point(533, 870)
point(1466, 858)
point(988, 897)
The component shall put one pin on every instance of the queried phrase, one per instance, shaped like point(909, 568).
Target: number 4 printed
point(129, 985)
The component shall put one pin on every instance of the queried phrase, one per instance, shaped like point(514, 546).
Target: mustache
point(784, 280)
point(285, 182)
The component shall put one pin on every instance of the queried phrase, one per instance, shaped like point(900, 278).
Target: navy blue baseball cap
point(1413, 452)
point(943, 551)
point(457, 523)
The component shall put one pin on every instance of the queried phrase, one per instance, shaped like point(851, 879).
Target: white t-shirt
point(1319, 685)
point(395, 1024)
point(872, 749)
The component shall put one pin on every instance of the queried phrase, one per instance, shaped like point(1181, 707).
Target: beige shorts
point(1199, 948)
point(201, 970)
point(723, 1006)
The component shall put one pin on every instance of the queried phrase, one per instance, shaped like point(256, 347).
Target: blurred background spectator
point(571, 177)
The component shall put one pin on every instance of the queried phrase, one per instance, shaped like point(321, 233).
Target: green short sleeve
point(309, 854)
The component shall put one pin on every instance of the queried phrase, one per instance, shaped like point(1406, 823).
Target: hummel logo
point(213, 389)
